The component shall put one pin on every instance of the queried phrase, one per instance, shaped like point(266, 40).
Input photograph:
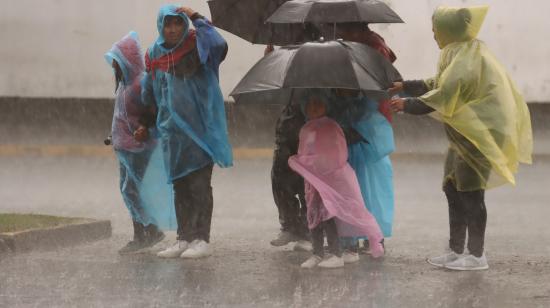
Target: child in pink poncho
point(334, 203)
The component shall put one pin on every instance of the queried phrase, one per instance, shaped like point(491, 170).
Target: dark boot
point(152, 235)
point(137, 243)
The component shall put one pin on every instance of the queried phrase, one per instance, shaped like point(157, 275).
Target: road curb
point(17, 150)
point(86, 230)
point(242, 153)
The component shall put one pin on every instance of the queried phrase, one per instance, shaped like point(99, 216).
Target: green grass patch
point(22, 222)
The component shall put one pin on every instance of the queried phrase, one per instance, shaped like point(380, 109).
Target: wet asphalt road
point(245, 271)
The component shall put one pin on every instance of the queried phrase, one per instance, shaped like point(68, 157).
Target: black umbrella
point(334, 11)
point(246, 19)
point(332, 64)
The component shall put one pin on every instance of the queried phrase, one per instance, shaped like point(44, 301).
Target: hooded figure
point(487, 120)
point(145, 194)
point(369, 155)
point(331, 188)
point(182, 83)
point(288, 190)
point(487, 123)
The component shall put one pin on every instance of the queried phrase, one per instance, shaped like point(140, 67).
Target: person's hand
point(396, 88)
point(268, 49)
point(185, 10)
point(397, 104)
point(141, 134)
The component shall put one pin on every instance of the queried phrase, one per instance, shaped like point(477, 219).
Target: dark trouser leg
point(286, 185)
point(350, 244)
point(469, 178)
point(205, 217)
point(139, 232)
point(152, 232)
point(318, 240)
point(180, 205)
point(332, 237)
point(457, 219)
point(194, 205)
point(476, 213)
point(300, 226)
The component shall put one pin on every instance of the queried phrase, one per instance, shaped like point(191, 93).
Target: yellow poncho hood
point(473, 94)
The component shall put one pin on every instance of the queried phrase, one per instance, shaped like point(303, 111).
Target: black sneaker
point(132, 247)
point(283, 238)
point(365, 249)
point(152, 238)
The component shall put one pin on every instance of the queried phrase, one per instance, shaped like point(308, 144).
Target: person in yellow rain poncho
point(486, 121)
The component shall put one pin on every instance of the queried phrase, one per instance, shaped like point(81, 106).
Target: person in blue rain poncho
point(140, 163)
point(182, 83)
point(370, 142)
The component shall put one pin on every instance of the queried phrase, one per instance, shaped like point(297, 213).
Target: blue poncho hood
point(170, 10)
point(191, 116)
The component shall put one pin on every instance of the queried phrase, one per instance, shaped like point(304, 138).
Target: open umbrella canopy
point(246, 19)
point(334, 11)
point(332, 64)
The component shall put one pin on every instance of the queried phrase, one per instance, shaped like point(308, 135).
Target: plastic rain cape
point(142, 177)
point(332, 190)
point(371, 161)
point(191, 114)
point(487, 120)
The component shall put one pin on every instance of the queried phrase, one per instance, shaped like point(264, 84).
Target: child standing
point(486, 121)
point(333, 197)
point(130, 140)
point(288, 190)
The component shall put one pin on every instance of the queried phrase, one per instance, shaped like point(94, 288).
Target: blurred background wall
point(54, 48)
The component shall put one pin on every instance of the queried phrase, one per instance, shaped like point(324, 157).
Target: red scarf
point(375, 41)
point(167, 62)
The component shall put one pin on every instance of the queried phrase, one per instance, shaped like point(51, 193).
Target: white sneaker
point(468, 263)
point(311, 262)
point(174, 251)
point(440, 261)
point(332, 262)
point(303, 245)
point(350, 257)
point(197, 249)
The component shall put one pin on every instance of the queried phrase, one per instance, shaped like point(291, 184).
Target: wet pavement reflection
point(245, 271)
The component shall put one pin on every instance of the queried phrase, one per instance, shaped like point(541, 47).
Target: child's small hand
point(397, 104)
point(185, 10)
point(396, 88)
point(141, 134)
